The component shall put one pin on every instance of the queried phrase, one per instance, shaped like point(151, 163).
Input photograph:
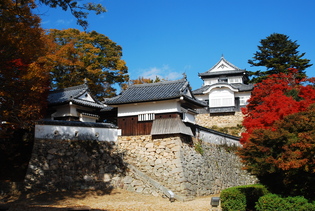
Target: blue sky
point(170, 37)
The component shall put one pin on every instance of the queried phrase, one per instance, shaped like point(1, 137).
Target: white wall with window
point(231, 80)
point(154, 107)
point(221, 97)
point(244, 97)
point(211, 81)
point(235, 80)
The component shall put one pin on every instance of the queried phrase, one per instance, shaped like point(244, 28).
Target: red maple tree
point(279, 142)
point(276, 97)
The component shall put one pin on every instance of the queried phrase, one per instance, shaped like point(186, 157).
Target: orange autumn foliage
point(90, 56)
point(24, 75)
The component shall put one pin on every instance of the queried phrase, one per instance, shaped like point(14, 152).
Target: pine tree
point(277, 53)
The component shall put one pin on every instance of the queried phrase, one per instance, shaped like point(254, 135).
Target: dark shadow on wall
point(59, 170)
point(15, 152)
point(58, 165)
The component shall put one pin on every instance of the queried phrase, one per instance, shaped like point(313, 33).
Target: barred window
point(217, 102)
point(146, 117)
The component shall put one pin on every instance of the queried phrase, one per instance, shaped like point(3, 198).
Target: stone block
point(137, 183)
point(107, 178)
point(176, 170)
point(128, 180)
point(139, 189)
point(52, 151)
point(176, 147)
point(149, 145)
point(151, 149)
point(154, 193)
point(130, 188)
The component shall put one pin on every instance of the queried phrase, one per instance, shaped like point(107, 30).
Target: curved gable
point(220, 86)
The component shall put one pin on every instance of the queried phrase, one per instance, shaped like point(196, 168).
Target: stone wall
point(157, 158)
point(174, 162)
point(217, 168)
point(58, 165)
point(64, 164)
point(143, 164)
point(232, 120)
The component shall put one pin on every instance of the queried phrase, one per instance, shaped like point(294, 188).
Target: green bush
point(233, 199)
point(273, 202)
point(241, 198)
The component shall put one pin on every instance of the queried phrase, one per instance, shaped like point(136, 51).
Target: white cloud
point(64, 22)
point(164, 72)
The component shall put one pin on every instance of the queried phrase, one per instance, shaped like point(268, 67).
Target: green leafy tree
point(91, 56)
point(277, 53)
point(79, 10)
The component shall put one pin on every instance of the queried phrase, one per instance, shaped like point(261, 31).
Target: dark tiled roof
point(216, 73)
point(73, 123)
point(152, 92)
point(195, 101)
point(201, 90)
point(243, 87)
point(240, 87)
point(72, 94)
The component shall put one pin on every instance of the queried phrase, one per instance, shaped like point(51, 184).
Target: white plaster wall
point(232, 80)
point(217, 139)
point(150, 107)
point(54, 131)
point(221, 97)
point(211, 81)
point(189, 118)
point(84, 118)
point(202, 97)
point(61, 110)
point(66, 110)
point(244, 95)
point(73, 110)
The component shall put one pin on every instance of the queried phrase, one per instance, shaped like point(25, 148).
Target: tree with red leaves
point(279, 142)
point(274, 98)
point(24, 74)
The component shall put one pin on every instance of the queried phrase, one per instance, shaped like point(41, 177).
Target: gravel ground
point(95, 200)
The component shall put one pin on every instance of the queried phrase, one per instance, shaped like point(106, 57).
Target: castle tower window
point(224, 80)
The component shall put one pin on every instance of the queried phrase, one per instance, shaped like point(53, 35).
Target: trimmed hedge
point(273, 202)
point(242, 198)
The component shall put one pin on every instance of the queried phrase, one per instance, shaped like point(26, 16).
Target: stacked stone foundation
point(158, 164)
point(209, 121)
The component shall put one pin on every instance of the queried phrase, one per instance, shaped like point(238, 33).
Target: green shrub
point(273, 202)
point(241, 198)
point(199, 148)
point(233, 199)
